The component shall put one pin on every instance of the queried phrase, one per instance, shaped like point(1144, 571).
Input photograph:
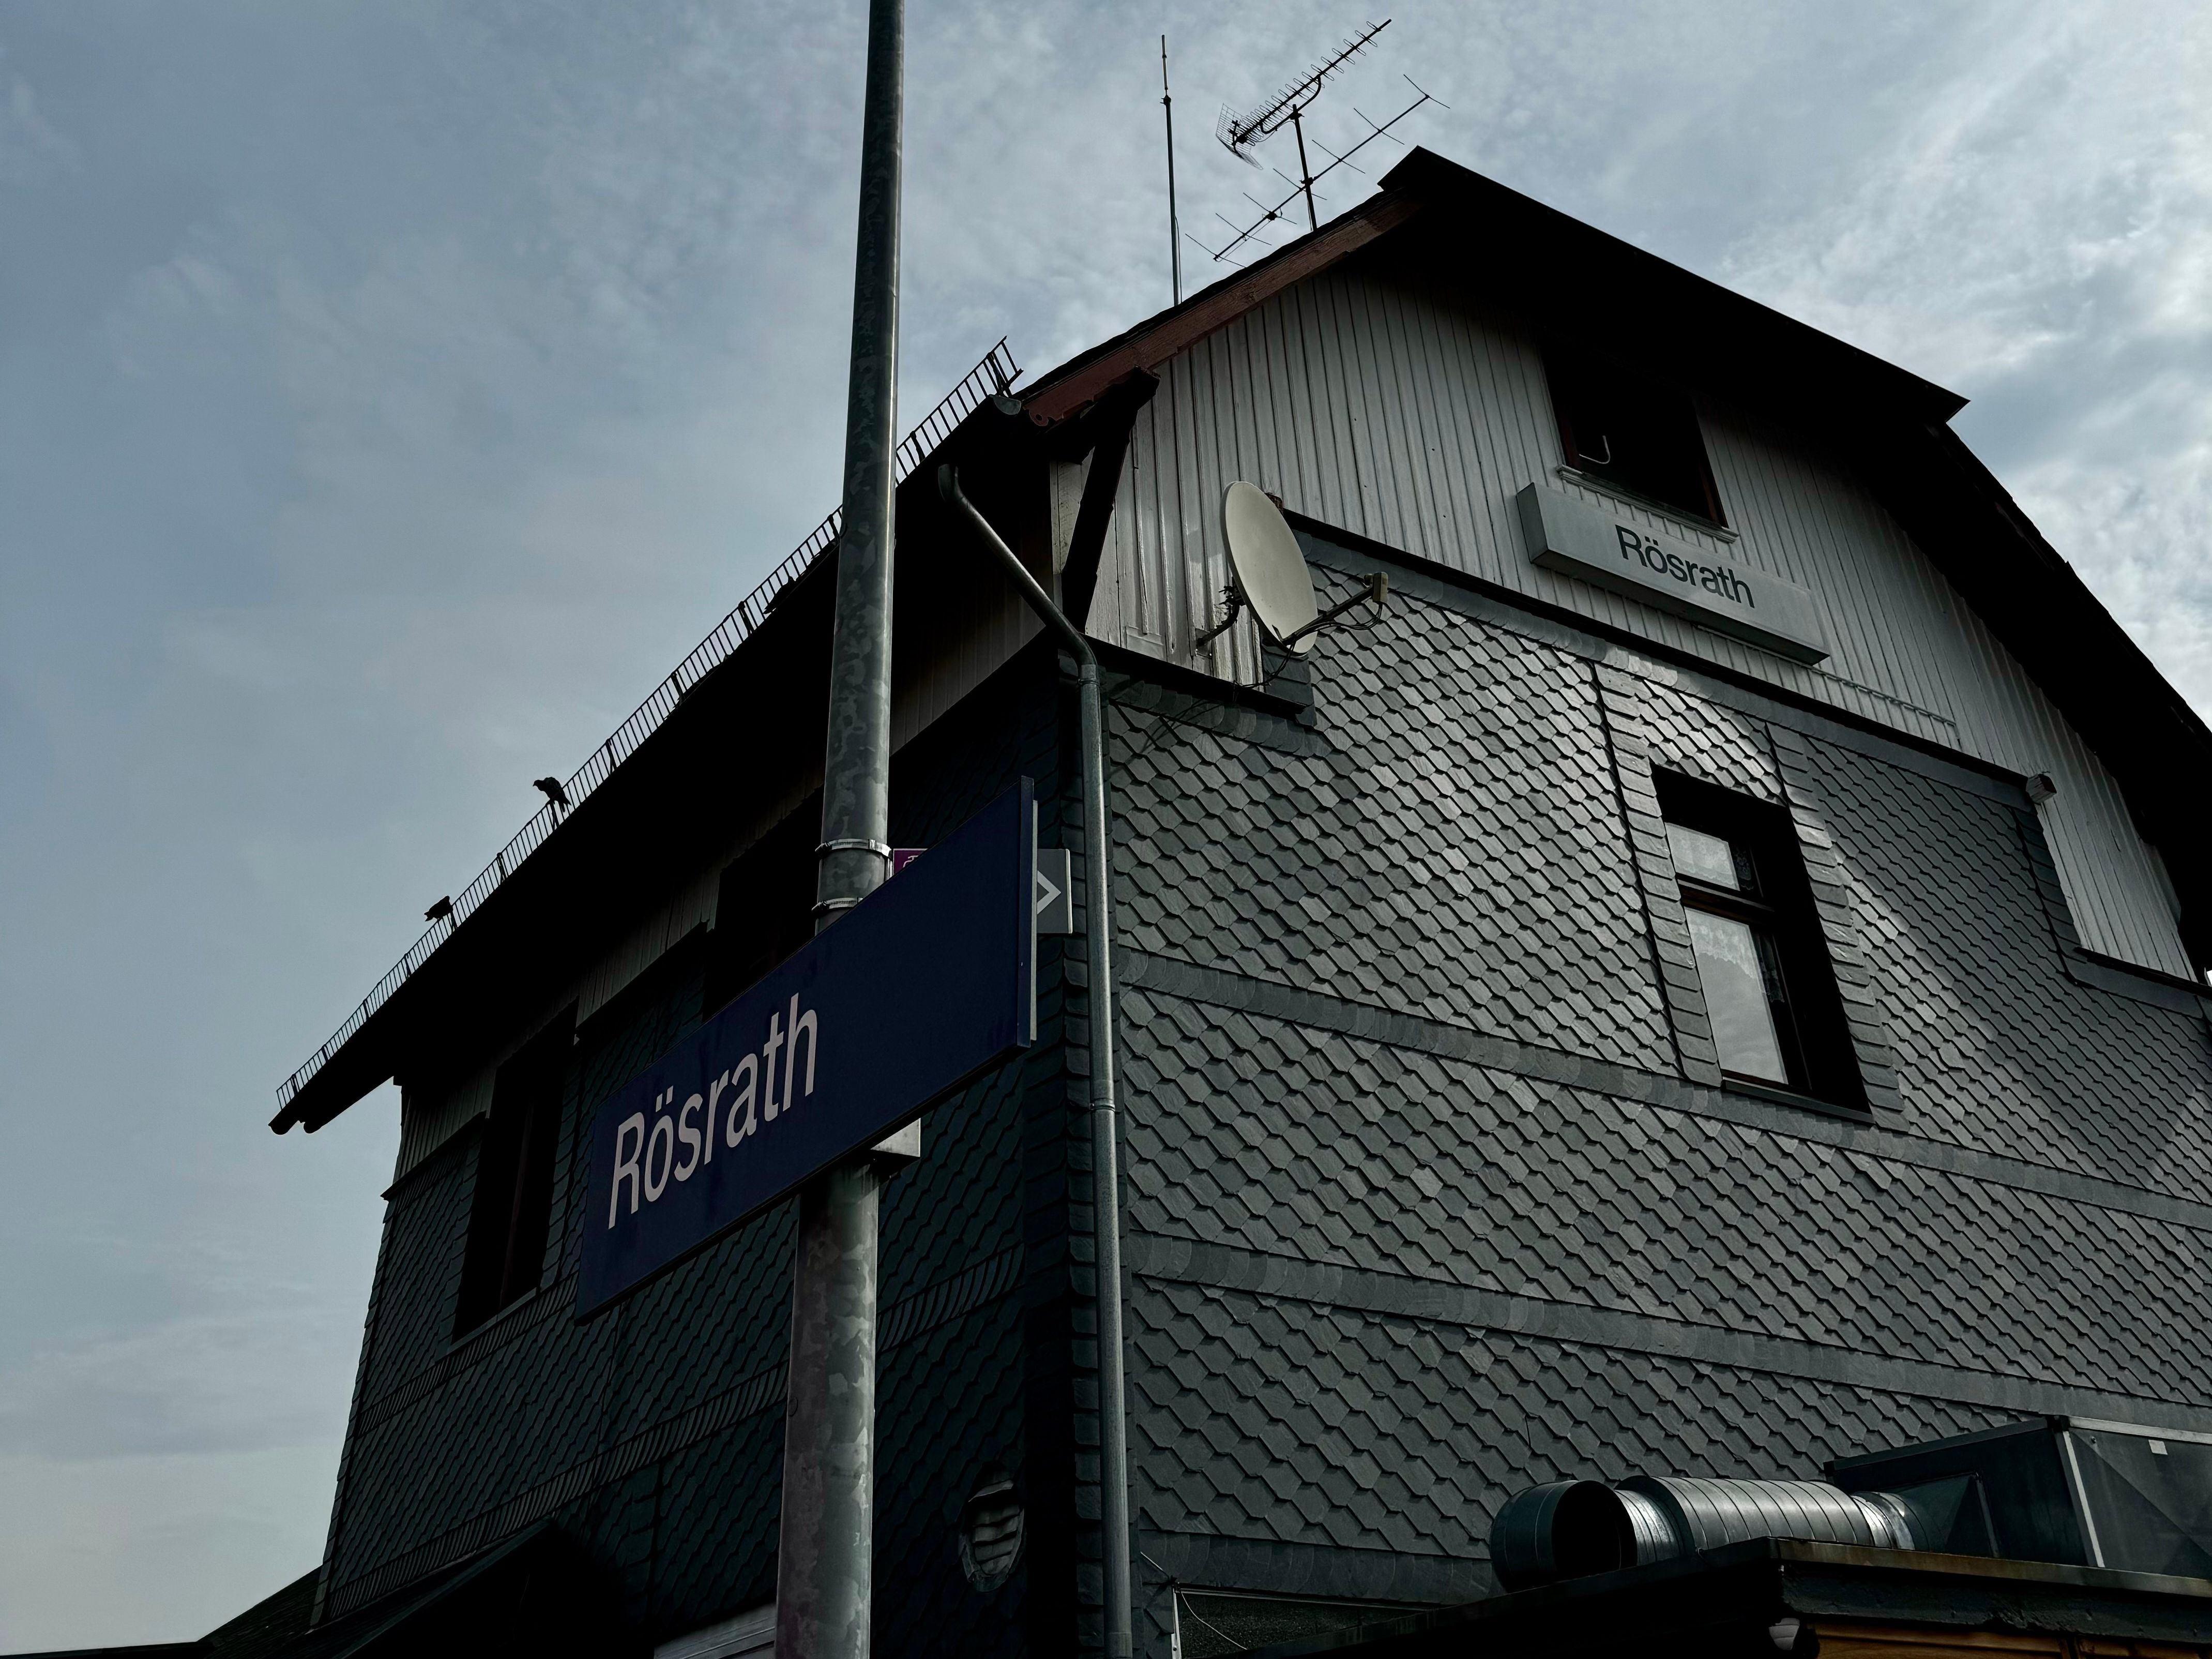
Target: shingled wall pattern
point(1451, 842)
point(654, 1432)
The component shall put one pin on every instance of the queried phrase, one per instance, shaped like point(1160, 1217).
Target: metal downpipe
point(1105, 1147)
point(824, 1587)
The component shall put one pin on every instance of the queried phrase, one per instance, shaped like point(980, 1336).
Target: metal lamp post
point(824, 1563)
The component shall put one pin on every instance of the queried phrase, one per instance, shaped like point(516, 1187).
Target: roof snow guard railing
point(994, 375)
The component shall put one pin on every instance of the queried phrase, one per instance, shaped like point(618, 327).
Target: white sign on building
point(1672, 574)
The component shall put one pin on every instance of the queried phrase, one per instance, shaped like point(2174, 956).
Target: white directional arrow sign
point(1053, 908)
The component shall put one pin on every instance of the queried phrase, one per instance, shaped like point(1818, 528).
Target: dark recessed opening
point(512, 1208)
point(1591, 1532)
point(1631, 431)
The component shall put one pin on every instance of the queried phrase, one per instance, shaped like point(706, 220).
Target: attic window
point(1634, 433)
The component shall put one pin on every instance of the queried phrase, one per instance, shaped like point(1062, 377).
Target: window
point(513, 1205)
point(765, 911)
point(1762, 962)
point(1632, 432)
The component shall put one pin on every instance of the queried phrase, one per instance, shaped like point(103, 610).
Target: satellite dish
point(1271, 571)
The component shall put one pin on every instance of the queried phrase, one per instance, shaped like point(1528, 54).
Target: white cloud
point(31, 150)
point(2034, 236)
point(2132, 532)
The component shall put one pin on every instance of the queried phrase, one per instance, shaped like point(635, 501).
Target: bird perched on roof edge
point(552, 789)
point(442, 911)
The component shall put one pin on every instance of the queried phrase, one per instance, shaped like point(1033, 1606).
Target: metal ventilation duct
point(1573, 1529)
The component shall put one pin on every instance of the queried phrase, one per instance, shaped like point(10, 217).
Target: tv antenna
point(1242, 134)
point(1304, 185)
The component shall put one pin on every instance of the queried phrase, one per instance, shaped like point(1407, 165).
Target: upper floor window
point(1762, 960)
point(765, 908)
point(510, 1217)
point(1632, 433)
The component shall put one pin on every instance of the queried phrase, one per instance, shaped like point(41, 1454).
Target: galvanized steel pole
point(824, 1563)
point(1105, 1133)
point(1305, 172)
point(1175, 227)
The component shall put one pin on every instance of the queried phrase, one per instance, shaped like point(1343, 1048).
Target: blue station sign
point(924, 985)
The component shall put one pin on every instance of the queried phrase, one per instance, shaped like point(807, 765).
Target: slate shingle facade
point(654, 1432)
point(1433, 1194)
point(1431, 1188)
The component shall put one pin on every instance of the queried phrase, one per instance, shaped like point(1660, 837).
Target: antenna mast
point(1242, 134)
point(1269, 214)
point(1174, 229)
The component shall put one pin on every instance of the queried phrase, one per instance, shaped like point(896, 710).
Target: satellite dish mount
point(1268, 576)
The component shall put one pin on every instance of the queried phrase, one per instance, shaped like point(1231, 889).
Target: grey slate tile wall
point(1316, 1425)
point(1433, 1192)
point(1701, 739)
point(1264, 1136)
point(654, 1432)
point(1997, 1046)
point(1452, 849)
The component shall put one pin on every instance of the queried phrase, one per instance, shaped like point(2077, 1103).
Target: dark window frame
point(511, 1211)
point(1596, 401)
point(1812, 1028)
point(763, 908)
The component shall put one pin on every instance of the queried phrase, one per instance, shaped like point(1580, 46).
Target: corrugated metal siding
point(1414, 422)
point(693, 906)
point(956, 666)
point(2123, 905)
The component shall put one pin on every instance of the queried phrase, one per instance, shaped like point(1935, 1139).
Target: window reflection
point(1735, 977)
point(1704, 858)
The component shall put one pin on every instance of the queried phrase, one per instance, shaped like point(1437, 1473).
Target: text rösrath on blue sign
point(917, 989)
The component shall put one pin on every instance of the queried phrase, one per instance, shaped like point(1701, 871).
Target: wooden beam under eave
point(1218, 307)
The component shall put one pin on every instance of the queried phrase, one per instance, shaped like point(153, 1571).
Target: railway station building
point(1706, 981)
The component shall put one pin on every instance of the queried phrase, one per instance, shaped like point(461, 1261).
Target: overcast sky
point(391, 392)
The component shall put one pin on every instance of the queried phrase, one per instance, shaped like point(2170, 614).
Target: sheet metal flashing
point(1751, 1586)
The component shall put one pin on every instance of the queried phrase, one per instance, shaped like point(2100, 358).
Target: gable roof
point(1561, 276)
point(1569, 278)
point(1533, 259)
